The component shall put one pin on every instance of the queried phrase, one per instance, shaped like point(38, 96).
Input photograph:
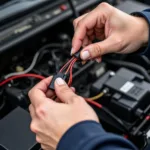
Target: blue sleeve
point(146, 15)
point(89, 135)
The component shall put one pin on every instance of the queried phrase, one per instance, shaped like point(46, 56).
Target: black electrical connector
point(58, 75)
point(77, 54)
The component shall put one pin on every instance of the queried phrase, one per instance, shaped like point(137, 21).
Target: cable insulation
point(27, 70)
point(21, 76)
point(97, 96)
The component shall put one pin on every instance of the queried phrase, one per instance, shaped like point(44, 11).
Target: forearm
point(89, 135)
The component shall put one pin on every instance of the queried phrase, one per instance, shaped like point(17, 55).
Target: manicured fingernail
point(98, 60)
point(85, 55)
point(72, 51)
point(60, 81)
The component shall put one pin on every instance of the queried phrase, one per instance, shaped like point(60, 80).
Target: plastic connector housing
point(58, 75)
point(77, 54)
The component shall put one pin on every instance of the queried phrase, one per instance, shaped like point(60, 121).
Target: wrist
point(144, 30)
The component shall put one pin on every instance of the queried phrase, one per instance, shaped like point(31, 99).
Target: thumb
point(63, 92)
point(109, 45)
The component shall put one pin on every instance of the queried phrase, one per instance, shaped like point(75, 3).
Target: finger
point(85, 41)
point(32, 111)
point(92, 37)
point(73, 89)
point(90, 32)
point(87, 23)
point(45, 147)
point(37, 94)
point(43, 85)
point(50, 93)
point(109, 45)
point(98, 59)
point(100, 36)
point(59, 101)
point(63, 92)
point(75, 22)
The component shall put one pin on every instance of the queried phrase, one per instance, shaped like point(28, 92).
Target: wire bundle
point(68, 69)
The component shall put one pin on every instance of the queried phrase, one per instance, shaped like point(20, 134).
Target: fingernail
point(60, 81)
point(98, 60)
point(85, 55)
point(72, 51)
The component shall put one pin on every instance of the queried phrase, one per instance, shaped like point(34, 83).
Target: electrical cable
point(91, 100)
point(54, 55)
point(97, 96)
point(114, 117)
point(75, 12)
point(69, 68)
point(130, 66)
point(93, 103)
point(66, 65)
point(21, 76)
point(146, 60)
point(34, 61)
point(147, 117)
point(27, 70)
point(71, 65)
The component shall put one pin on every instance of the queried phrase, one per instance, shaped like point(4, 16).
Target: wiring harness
point(66, 73)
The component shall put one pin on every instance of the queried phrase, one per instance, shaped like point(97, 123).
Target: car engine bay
point(33, 48)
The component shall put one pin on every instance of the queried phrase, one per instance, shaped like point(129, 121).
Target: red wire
point(71, 64)
point(71, 68)
point(42, 77)
point(66, 64)
point(93, 103)
point(70, 78)
point(21, 76)
point(147, 118)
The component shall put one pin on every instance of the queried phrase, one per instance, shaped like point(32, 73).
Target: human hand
point(118, 32)
point(50, 119)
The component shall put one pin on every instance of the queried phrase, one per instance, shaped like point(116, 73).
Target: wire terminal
point(58, 75)
point(77, 54)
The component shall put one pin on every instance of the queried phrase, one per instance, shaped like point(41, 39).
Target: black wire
point(146, 60)
point(129, 65)
point(75, 12)
point(115, 118)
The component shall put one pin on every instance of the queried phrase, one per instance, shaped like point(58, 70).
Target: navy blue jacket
point(89, 135)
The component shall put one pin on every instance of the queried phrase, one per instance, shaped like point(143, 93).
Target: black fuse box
point(129, 93)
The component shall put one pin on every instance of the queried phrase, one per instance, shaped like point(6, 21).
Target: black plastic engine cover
point(15, 131)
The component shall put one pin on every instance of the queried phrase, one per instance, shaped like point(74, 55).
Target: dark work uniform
point(89, 135)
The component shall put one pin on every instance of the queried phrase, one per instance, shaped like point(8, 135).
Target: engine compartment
point(125, 78)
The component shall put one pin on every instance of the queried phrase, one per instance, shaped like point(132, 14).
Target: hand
point(118, 32)
point(50, 119)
